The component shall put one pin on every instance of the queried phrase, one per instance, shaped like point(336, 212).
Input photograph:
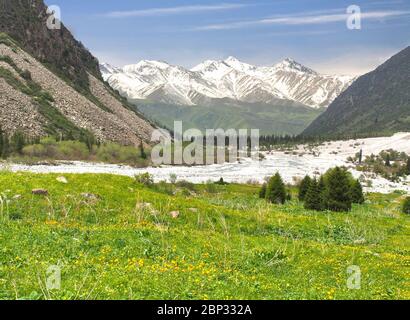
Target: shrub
point(35, 151)
point(186, 184)
point(114, 153)
point(406, 206)
point(72, 150)
point(210, 187)
point(145, 179)
point(164, 187)
point(275, 190)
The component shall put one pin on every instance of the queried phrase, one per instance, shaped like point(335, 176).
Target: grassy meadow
point(116, 239)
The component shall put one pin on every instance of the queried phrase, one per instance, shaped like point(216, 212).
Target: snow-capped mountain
point(227, 79)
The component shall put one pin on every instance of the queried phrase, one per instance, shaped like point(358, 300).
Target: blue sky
point(260, 32)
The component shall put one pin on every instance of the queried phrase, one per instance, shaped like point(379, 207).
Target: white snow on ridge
point(291, 166)
point(230, 78)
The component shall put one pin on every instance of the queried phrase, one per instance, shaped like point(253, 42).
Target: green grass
point(232, 246)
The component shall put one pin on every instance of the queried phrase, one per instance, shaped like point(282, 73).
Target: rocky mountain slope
point(376, 103)
point(229, 79)
point(26, 22)
point(50, 84)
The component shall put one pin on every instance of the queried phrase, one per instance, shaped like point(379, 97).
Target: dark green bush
point(406, 205)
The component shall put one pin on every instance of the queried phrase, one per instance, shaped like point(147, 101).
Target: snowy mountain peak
point(291, 65)
point(107, 70)
point(221, 79)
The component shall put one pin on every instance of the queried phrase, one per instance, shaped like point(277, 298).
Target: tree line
point(336, 190)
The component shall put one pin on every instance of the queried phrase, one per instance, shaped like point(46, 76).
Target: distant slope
point(285, 117)
point(376, 103)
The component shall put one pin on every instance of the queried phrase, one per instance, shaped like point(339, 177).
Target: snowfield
point(291, 165)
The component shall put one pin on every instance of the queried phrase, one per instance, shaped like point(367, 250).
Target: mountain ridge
point(376, 103)
point(51, 85)
point(229, 78)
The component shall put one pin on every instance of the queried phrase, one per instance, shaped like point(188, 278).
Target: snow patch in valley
point(295, 164)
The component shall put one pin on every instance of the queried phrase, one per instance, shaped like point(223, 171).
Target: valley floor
point(292, 164)
point(114, 239)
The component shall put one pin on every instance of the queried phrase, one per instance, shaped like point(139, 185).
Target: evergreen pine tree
point(6, 146)
point(304, 187)
point(1, 142)
point(275, 190)
point(313, 199)
point(408, 166)
point(387, 162)
point(262, 191)
point(357, 192)
point(322, 194)
point(406, 206)
point(142, 151)
point(17, 142)
point(338, 190)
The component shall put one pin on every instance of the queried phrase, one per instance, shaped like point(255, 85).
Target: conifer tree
point(387, 162)
point(17, 142)
point(142, 151)
point(1, 142)
point(322, 193)
point(304, 187)
point(262, 191)
point(312, 198)
point(408, 166)
point(357, 192)
point(406, 206)
point(6, 146)
point(338, 190)
point(275, 190)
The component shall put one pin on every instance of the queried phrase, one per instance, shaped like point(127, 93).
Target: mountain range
point(228, 79)
point(281, 99)
point(377, 103)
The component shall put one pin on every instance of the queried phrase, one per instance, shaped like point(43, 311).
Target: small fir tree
point(338, 190)
point(142, 151)
point(387, 162)
point(275, 190)
point(357, 192)
point(262, 191)
point(312, 198)
point(322, 193)
point(304, 187)
point(408, 166)
point(406, 206)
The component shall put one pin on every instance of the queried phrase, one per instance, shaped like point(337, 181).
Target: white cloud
point(174, 10)
point(299, 19)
